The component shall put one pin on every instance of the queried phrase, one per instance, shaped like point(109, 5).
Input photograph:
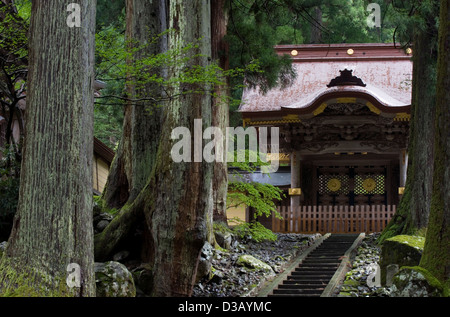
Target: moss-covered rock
point(114, 280)
point(402, 250)
point(416, 282)
point(251, 262)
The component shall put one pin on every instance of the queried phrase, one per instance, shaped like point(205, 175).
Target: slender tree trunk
point(316, 32)
point(136, 157)
point(53, 224)
point(436, 255)
point(220, 106)
point(142, 122)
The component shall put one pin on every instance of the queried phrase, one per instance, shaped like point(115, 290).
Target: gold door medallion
point(334, 184)
point(369, 184)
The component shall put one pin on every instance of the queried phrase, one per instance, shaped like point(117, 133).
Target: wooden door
point(351, 185)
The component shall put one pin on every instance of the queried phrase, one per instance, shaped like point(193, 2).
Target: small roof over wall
point(282, 178)
point(384, 70)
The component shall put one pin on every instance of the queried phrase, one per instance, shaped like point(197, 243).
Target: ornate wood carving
point(346, 79)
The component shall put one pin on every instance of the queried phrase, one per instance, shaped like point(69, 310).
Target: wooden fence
point(333, 219)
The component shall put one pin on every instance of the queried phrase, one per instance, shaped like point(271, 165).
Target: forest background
point(253, 27)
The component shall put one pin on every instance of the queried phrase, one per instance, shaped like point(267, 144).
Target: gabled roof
point(384, 69)
point(102, 150)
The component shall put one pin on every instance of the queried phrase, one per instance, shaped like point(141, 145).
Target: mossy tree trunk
point(53, 224)
point(142, 121)
point(436, 255)
point(178, 207)
point(413, 210)
point(136, 157)
point(175, 202)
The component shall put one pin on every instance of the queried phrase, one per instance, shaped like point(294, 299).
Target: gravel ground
point(232, 279)
point(364, 268)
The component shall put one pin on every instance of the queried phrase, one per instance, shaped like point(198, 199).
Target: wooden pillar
point(295, 179)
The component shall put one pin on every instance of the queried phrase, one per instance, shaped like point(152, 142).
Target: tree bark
point(176, 200)
point(413, 211)
point(436, 254)
point(53, 224)
point(316, 32)
point(220, 106)
point(180, 215)
point(142, 121)
point(423, 109)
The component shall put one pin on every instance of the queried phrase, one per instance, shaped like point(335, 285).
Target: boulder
point(224, 239)
point(114, 280)
point(101, 220)
point(101, 225)
point(402, 250)
point(253, 263)
point(415, 282)
point(205, 261)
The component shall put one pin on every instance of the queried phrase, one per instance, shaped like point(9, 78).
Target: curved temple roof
point(385, 70)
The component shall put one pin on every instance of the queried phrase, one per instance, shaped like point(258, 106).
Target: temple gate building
point(344, 126)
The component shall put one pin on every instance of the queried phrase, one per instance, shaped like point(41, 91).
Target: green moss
point(422, 232)
point(100, 207)
point(221, 227)
point(218, 247)
point(403, 250)
point(434, 286)
point(413, 241)
point(351, 282)
point(401, 223)
point(114, 280)
point(434, 282)
point(15, 283)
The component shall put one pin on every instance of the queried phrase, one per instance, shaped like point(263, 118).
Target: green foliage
point(110, 13)
point(251, 38)
point(259, 196)
point(253, 231)
point(23, 9)
point(108, 118)
point(410, 16)
point(255, 195)
point(100, 207)
point(125, 63)
point(9, 192)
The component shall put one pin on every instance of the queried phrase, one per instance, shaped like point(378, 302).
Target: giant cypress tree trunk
point(180, 215)
point(176, 200)
point(424, 102)
point(53, 224)
point(436, 254)
point(412, 213)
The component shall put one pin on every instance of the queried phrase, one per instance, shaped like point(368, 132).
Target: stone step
point(298, 291)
